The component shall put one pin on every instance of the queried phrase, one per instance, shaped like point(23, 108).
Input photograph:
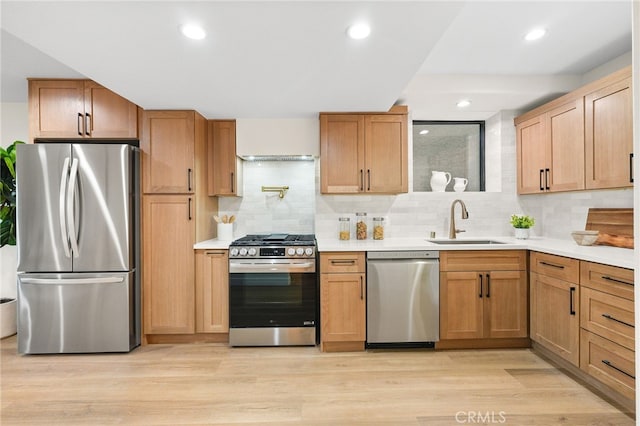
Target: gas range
point(269, 246)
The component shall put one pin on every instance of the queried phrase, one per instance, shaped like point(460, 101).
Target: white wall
point(13, 126)
point(14, 122)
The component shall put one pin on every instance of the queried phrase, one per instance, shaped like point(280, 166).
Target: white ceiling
point(292, 59)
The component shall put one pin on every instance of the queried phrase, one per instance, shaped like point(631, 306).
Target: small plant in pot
point(522, 223)
point(8, 230)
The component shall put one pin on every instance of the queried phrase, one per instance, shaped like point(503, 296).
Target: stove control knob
point(300, 251)
point(243, 252)
point(308, 251)
point(291, 251)
point(234, 252)
point(252, 252)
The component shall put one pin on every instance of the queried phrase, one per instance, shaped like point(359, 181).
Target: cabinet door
point(530, 147)
point(343, 307)
point(168, 146)
point(385, 153)
point(107, 114)
point(565, 147)
point(341, 153)
point(556, 316)
point(168, 264)
point(461, 306)
point(221, 167)
point(505, 309)
point(609, 136)
point(212, 291)
point(56, 108)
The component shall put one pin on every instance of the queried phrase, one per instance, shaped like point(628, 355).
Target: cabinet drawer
point(342, 262)
point(483, 260)
point(560, 267)
point(608, 362)
point(609, 279)
point(609, 316)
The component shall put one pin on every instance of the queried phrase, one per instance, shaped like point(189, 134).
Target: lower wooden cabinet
point(486, 303)
point(607, 321)
point(555, 304)
point(168, 275)
point(555, 320)
point(212, 291)
point(610, 363)
point(343, 304)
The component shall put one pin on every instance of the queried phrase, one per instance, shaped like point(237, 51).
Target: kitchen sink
point(465, 242)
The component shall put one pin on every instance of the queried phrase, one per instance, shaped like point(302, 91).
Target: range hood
point(278, 139)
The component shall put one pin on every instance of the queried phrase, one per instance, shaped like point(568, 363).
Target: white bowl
point(585, 238)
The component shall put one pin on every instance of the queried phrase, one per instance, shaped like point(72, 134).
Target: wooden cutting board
point(615, 226)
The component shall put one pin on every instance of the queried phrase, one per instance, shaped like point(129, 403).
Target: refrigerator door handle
point(105, 280)
point(63, 217)
point(71, 219)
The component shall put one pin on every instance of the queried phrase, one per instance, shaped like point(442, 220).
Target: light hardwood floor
point(215, 384)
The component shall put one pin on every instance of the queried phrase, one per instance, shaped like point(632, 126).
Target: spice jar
point(344, 228)
point(378, 228)
point(361, 226)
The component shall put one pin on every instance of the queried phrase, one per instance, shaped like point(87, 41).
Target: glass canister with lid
point(361, 226)
point(378, 228)
point(344, 228)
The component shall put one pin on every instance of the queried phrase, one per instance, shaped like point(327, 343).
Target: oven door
point(272, 293)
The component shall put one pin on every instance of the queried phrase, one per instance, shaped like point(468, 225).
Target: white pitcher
point(439, 181)
point(460, 184)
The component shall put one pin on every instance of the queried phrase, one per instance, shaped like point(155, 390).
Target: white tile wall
point(264, 212)
point(305, 210)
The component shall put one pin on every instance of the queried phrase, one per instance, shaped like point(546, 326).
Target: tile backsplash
point(260, 212)
point(415, 214)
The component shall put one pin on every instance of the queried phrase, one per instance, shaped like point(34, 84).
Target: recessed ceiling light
point(193, 31)
point(463, 103)
point(535, 34)
point(359, 31)
point(424, 132)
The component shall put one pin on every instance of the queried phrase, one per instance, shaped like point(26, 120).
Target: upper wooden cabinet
point(551, 150)
point(79, 109)
point(168, 151)
point(364, 153)
point(609, 136)
point(580, 140)
point(223, 167)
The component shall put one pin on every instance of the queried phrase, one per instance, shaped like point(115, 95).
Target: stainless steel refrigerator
point(78, 214)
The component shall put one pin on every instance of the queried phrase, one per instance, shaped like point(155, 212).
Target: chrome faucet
point(452, 224)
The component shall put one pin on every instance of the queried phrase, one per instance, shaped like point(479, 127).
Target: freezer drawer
point(77, 313)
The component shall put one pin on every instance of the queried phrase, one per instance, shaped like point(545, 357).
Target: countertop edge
point(607, 255)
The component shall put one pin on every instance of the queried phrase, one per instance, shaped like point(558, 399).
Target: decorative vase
point(460, 184)
point(8, 317)
point(522, 233)
point(8, 289)
point(439, 181)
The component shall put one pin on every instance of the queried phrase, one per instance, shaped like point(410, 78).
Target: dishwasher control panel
point(414, 254)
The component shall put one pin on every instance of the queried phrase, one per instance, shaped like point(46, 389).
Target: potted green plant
point(8, 236)
point(521, 224)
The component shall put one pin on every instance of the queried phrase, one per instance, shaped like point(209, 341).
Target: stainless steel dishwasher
point(403, 298)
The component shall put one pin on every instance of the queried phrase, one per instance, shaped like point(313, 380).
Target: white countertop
point(213, 244)
point(601, 254)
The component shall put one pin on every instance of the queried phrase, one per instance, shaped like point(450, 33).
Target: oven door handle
point(271, 267)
